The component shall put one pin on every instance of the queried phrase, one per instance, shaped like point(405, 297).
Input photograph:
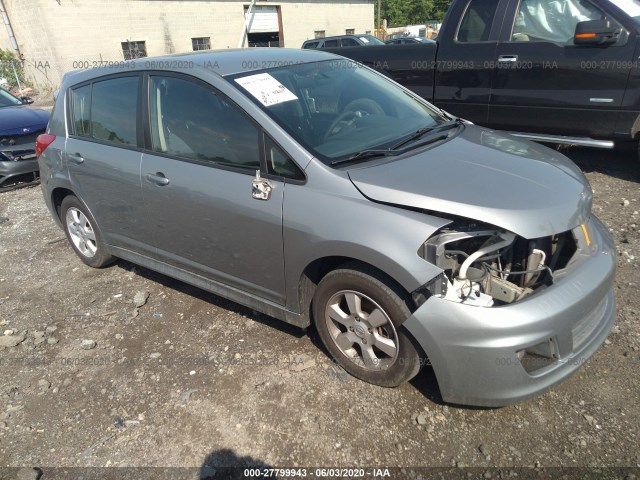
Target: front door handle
point(158, 178)
point(76, 158)
point(508, 58)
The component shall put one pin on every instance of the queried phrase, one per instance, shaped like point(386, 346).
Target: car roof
point(336, 37)
point(221, 62)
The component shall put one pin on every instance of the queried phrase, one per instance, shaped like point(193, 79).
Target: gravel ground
point(126, 367)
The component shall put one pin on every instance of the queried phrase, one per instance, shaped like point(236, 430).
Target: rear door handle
point(76, 158)
point(508, 58)
point(158, 178)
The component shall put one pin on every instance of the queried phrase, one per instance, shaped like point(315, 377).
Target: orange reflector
point(586, 235)
point(586, 35)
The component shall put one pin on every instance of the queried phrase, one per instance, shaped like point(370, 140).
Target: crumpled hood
point(521, 186)
point(21, 120)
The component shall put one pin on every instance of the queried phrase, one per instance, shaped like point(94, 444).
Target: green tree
point(440, 7)
point(411, 12)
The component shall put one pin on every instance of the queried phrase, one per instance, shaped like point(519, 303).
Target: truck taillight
point(42, 142)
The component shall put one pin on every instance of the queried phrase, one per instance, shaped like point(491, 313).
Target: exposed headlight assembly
point(483, 266)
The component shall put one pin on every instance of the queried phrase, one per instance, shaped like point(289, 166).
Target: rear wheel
point(79, 225)
point(358, 317)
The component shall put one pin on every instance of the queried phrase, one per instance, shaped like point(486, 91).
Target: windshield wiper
point(422, 131)
point(365, 154)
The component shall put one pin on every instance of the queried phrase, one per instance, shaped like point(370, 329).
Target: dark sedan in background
point(19, 127)
point(342, 41)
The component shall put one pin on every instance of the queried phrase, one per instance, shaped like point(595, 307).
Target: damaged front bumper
point(16, 161)
point(495, 356)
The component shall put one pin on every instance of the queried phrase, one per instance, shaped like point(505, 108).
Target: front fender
point(342, 223)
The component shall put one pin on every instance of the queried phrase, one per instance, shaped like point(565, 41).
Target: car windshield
point(370, 40)
point(631, 7)
point(8, 100)
point(338, 108)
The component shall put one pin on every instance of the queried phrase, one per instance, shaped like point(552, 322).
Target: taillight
point(42, 142)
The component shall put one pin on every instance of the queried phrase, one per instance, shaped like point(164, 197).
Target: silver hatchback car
point(320, 192)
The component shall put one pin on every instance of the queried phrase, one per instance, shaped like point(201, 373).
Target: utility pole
point(7, 24)
point(247, 19)
point(14, 42)
point(378, 27)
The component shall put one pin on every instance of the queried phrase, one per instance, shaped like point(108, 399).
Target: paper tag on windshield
point(266, 89)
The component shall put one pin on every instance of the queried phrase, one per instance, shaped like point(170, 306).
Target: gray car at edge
point(317, 191)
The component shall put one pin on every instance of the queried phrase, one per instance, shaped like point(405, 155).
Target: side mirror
point(27, 100)
point(595, 32)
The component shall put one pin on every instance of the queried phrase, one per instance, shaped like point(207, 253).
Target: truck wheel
point(79, 225)
point(358, 318)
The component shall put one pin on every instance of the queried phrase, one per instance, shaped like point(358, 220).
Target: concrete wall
point(55, 36)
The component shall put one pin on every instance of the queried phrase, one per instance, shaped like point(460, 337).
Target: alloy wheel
point(81, 232)
point(362, 330)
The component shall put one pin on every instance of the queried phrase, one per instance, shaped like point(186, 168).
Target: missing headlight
point(484, 266)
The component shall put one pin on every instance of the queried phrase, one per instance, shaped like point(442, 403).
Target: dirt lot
point(188, 378)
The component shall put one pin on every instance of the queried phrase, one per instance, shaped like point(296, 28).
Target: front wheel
point(358, 317)
point(79, 225)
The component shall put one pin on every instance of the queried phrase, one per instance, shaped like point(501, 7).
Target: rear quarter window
point(81, 100)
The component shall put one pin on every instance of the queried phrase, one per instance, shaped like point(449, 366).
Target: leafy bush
point(7, 61)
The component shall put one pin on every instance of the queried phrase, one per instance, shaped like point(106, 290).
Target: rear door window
point(475, 25)
point(113, 110)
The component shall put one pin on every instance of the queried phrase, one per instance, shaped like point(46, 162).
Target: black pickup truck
point(558, 71)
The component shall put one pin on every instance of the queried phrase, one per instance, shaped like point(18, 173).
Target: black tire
point(334, 293)
point(83, 234)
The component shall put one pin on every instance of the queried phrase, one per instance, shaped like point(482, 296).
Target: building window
point(133, 50)
point(201, 43)
point(368, 32)
point(350, 31)
point(319, 34)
